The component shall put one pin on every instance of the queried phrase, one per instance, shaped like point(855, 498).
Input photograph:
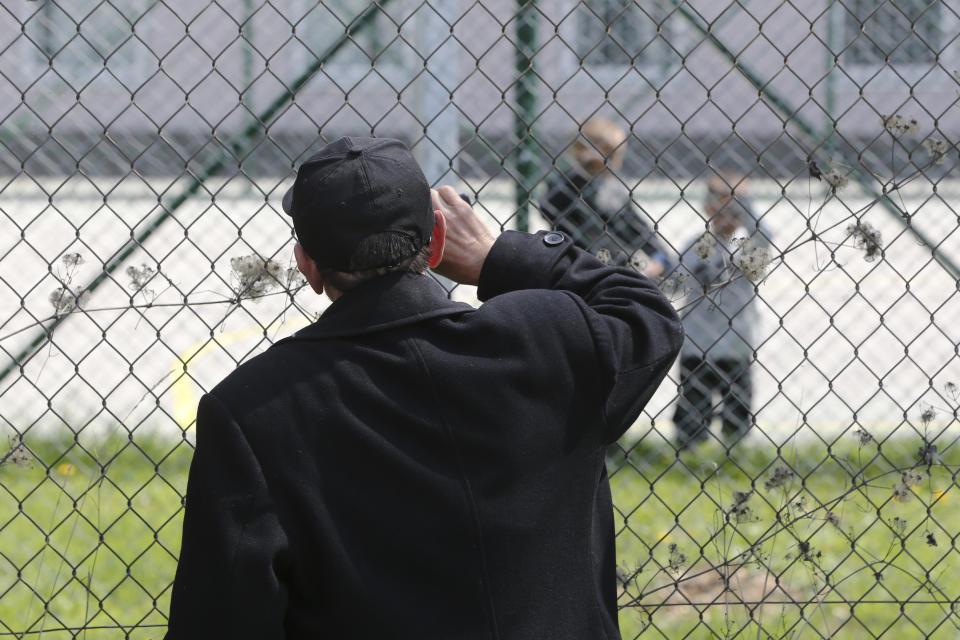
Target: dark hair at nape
point(377, 255)
point(386, 249)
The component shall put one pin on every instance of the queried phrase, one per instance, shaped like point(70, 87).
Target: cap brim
point(287, 202)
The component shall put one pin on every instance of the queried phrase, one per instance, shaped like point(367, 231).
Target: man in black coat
point(587, 202)
point(412, 467)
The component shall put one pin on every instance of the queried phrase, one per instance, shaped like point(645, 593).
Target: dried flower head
point(867, 238)
point(705, 246)
point(927, 415)
point(65, 300)
point(901, 492)
point(752, 261)
point(937, 148)
point(755, 555)
point(625, 575)
point(72, 260)
point(863, 436)
point(740, 511)
point(927, 454)
point(676, 559)
point(837, 178)
point(900, 125)
point(931, 539)
point(675, 284)
point(808, 553)
point(911, 477)
point(604, 256)
point(18, 453)
point(780, 476)
point(639, 261)
point(832, 518)
point(951, 389)
point(899, 525)
point(139, 276)
point(813, 170)
point(799, 507)
point(257, 276)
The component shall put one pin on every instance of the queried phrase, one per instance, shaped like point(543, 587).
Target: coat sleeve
point(635, 332)
point(227, 583)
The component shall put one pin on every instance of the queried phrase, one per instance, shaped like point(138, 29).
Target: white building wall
point(190, 74)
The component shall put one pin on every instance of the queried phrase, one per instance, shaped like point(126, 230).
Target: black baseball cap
point(354, 188)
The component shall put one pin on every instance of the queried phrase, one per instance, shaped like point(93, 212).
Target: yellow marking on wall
point(183, 392)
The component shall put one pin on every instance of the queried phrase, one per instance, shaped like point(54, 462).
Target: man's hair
point(396, 250)
point(599, 132)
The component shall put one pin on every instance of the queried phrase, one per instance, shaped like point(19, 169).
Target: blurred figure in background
point(588, 203)
point(720, 314)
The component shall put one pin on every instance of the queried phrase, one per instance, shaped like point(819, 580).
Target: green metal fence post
point(525, 112)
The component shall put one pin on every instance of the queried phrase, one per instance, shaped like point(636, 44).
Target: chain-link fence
point(144, 147)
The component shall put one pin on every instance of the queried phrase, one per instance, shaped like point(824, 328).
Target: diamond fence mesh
point(144, 147)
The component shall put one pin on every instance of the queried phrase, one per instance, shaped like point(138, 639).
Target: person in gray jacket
point(720, 315)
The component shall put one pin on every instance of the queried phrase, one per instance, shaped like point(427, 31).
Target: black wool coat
point(412, 467)
point(572, 205)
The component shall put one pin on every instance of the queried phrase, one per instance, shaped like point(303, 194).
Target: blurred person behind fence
point(409, 466)
point(720, 315)
point(588, 202)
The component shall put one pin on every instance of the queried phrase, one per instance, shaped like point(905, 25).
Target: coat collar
point(389, 301)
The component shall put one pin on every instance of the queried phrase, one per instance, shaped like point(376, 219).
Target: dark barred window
point(895, 31)
point(618, 32)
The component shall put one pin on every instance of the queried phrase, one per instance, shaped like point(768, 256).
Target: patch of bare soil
point(702, 587)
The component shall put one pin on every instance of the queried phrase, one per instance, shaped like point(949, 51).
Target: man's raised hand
point(468, 240)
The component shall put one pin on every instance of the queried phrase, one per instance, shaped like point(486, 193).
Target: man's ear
point(438, 239)
point(308, 268)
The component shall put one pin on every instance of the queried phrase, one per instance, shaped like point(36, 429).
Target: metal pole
point(525, 111)
point(438, 148)
point(831, 81)
point(247, 98)
point(247, 31)
point(244, 143)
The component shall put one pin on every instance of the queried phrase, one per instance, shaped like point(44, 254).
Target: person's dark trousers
point(700, 380)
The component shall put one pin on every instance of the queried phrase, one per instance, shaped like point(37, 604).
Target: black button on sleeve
point(553, 238)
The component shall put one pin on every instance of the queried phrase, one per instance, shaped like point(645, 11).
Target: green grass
point(81, 548)
point(828, 558)
point(85, 549)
